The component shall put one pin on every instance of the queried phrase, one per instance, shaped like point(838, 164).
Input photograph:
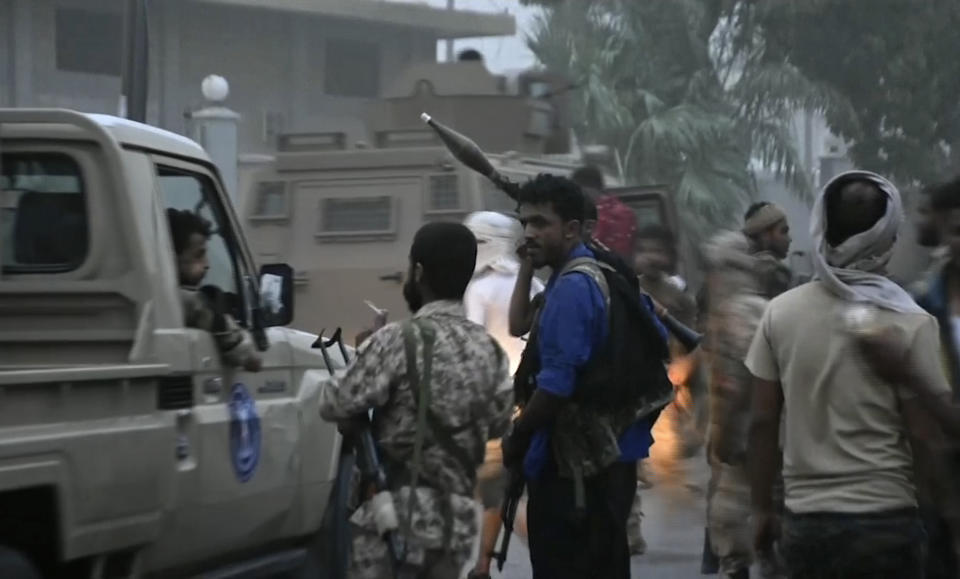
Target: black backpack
point(628, 370)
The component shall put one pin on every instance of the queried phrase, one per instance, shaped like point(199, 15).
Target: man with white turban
point(850, 436)
point(487, 302)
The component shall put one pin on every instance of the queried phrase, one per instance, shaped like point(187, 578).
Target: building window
point(356, 216)
point(352, 68)
point(43, 213)
point(88, 41)
point(272, 201)
point(444, 194)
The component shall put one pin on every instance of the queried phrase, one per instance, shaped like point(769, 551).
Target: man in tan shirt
point(850, 439)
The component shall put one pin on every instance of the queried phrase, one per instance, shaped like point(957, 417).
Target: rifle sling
point(427, 422)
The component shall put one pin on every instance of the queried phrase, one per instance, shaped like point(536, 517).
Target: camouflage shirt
point(472, 397)
point(741, 281)
point(232, 341)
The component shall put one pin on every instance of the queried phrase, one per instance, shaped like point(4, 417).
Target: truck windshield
point(43, 213)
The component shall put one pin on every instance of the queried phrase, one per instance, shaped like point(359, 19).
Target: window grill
point(362, 215)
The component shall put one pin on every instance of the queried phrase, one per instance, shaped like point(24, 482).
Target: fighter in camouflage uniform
point(745, 272)
point(471, 398)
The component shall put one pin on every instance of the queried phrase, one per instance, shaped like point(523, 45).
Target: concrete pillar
point(168, 62)
point(215, 128)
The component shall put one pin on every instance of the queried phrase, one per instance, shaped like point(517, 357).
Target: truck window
point(43, 213)
point(195, 192)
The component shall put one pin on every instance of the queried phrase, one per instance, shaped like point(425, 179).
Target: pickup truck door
point(246, 425)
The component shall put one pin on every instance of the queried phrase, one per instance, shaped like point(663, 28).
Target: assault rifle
point(374, 475)
point(508, 512)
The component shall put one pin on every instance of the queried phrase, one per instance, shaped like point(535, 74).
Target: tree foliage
point(696, 93)
point(892, 61)
point(663, 83)
point(882, 72)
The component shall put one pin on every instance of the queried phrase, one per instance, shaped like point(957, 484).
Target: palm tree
point(681, 97)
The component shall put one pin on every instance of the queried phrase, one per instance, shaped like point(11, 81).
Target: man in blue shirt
point(576, 521)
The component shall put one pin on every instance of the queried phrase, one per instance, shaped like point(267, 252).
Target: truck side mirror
point(276, 294)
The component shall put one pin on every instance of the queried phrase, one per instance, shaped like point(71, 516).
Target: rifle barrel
point(687, 336)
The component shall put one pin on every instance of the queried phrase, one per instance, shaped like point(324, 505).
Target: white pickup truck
point(126, 448)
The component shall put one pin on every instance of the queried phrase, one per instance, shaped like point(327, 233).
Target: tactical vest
point(605, 400)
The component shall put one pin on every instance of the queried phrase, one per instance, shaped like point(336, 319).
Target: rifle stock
point(365, 448)
point(373, 471)
point(687, 336)
point(508, 513)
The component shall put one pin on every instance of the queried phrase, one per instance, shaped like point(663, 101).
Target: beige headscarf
point(854, 270)
point(768, 216)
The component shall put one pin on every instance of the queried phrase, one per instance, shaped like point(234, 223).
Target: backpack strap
point(421, 390)
point(593, 268)
point(427, 422)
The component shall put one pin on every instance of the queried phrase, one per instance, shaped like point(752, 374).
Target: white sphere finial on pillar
point(215, 88)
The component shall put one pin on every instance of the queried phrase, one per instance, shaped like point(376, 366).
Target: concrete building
point(293, 65)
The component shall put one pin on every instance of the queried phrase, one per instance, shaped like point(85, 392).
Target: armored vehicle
point(343, 214)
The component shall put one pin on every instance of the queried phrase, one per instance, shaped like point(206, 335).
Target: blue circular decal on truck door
point(244, 432)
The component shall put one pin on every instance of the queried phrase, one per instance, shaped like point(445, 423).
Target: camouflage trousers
point(730, 525)
point(376, 564)
point(431, 553)
point(886, 545)
point(728, 518)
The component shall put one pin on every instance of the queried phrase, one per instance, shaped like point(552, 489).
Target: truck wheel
point(329, 556)
point(14, 565)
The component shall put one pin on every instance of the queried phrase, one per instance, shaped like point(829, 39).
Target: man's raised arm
point(521, 306)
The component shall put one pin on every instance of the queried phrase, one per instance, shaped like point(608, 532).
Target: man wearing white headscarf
point(851, 437)
point(487, 302)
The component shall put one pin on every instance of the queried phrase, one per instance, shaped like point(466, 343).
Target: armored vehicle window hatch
point(357, 216)
point(272, 201)
point(443, 195)
point(406, 138)
point(293, 142)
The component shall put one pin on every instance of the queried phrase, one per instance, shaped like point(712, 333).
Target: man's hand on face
point(522, 252)
point(885, 351)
